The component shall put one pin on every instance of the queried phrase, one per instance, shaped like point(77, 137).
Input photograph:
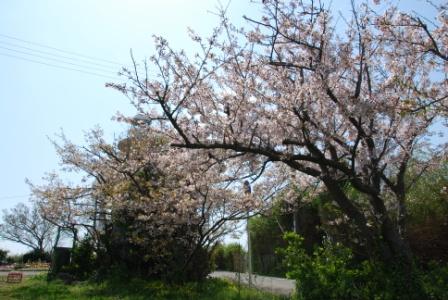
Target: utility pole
point(247, 191)
point(249, 252)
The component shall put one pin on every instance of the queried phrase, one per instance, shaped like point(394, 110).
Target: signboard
point(14, 277)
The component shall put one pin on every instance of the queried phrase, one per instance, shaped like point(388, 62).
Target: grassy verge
point(37, 288)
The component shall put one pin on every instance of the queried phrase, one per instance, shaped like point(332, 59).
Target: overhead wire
point(58, 66)
point(81, 63)
point(57, 55)
point(60, 50)
point(81, 58)
point(56, 60)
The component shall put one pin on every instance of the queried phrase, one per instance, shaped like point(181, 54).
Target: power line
point(102, 71)
point(60, 50)
point(55, 55)
point(60, 67)
point(55, 59)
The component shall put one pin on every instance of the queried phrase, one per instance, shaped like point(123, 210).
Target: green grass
point(38, 288)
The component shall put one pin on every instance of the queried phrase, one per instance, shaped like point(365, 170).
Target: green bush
point(229, 257)
point(60, 259)
point(35, 256)
point(3, 256)
point(427, 223)
point(330, 272)
point(435, 281)
point(326, 274)
point(266, 236)
point(13, 259)
point(82, 260)
point(183, 267)
point(129, 246)
point(217, 257)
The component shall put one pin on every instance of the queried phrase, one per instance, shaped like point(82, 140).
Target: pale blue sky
point(36, 100)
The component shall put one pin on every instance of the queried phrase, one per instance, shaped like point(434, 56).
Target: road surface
point(274, 285)
point(25, 273)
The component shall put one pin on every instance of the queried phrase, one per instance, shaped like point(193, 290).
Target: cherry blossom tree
point(416, 35)
point(294, 99)
point(142, 180)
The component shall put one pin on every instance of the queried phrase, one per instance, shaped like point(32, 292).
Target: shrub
point(229, 257)
point(326, 274)
point(330, 272)
point(235, 257)
point(435, 281)
point(82, 260)
point(196, 269)
point(15, 259)
point(35, 256)
point(3, 256)
point(134, 247)
point(217, 257)
point(266, 236)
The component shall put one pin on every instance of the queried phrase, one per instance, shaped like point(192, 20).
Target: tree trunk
point(390, 232)
point(296, 220)
point(399, 246)
point(75, 237)
point(306, 222)
point(402, 215)
point(40, 245)
point(355, 215)
point(58, 236)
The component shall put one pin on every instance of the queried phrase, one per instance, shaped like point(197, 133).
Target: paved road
point(275, 285)
point(25, 273)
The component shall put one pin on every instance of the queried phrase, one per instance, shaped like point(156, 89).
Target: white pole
point(247, 191)
point(249, 252)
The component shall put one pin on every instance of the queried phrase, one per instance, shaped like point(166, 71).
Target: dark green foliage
point(184, 264)
point(229, 257)
point(427, 199)
point(129, 260)
point(132, 248)
point(13, 259)
point(17, 259)
point(217, 257)
point(197, 269)
point(323, 275)
point(427, 203)
point(435, 281)
point(3, 255)
point(129, 247)
point(330, 272)
point(61, 260)
point(307, 223)
point(339, 269)
point(338, 228)
point(35, 256)
point(266, 236)
point(83, 260)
